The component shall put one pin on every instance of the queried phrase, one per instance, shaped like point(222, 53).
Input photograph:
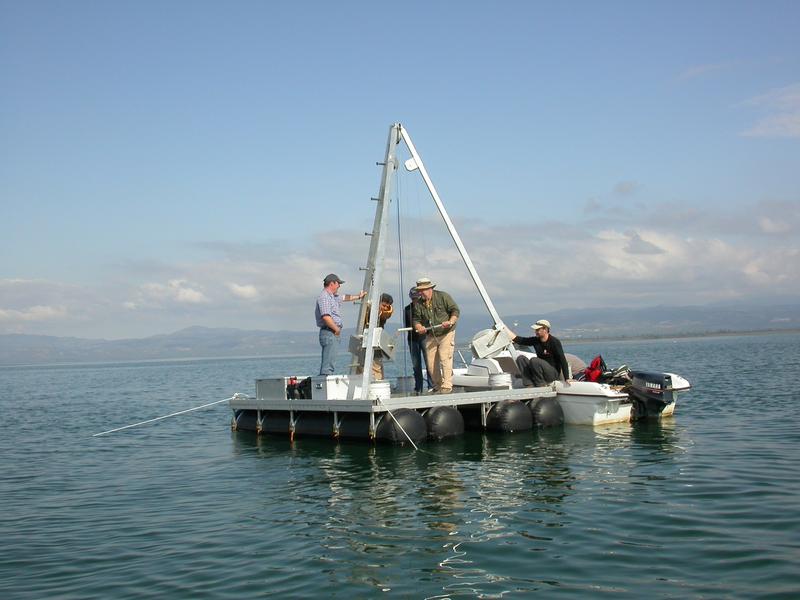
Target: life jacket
point(595, 369)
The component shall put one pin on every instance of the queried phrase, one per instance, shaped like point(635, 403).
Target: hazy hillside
point(669, 320)
point(193, 342)
point(203, 342)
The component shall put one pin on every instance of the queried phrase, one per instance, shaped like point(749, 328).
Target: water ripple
point(705, 504)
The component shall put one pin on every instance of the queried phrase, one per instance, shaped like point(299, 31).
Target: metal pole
point(377, 251)
point(450, 227)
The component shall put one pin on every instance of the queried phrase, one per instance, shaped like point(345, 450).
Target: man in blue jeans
point(416, 344)
point(329, 320)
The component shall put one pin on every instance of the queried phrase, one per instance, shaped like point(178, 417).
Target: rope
point(415, 236)
point(408, 437)
point(403, 293)
point(181, 412)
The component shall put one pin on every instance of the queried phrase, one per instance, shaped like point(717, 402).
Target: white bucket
point(500, 380)
point(380, 390)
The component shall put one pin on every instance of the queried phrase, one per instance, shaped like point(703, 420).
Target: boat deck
point(393, 402)
point(332, 406)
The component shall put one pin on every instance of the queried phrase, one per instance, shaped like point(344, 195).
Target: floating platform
point(331, 406)
point(487, 393)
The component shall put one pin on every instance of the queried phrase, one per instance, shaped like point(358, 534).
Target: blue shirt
point(328, 304)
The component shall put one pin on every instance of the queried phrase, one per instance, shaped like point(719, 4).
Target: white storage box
point(329, 387)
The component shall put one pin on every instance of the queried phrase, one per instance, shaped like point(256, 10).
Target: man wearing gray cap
point(329, 320)
point(549, 364)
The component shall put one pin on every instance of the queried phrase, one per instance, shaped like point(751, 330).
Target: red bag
point(595, 369)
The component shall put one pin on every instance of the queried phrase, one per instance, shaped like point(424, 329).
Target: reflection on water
point(368, 505)
point(660, 436)
point(704, 504)
point(471, 492)
point(363, 508)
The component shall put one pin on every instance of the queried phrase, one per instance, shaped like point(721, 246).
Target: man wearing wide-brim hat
point(550, 362)
point(436, 315)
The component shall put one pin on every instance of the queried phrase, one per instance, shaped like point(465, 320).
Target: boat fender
point(444, 421)
point(508, 416)
point(412, 423)
point(547, 412)
point(245, 420)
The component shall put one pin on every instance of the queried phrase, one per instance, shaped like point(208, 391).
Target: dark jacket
point(412, 335)
point(550, 351)
point(441, 308)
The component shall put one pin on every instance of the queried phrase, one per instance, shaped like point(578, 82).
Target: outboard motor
point(650, 393)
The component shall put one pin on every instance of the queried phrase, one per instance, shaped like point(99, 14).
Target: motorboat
point(619, 395)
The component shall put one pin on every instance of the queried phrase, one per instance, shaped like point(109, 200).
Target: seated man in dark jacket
point(550, 363)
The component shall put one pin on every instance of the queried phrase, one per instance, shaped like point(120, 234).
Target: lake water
point(705, 504)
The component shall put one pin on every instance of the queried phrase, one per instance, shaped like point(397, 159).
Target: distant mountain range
point(192, 342)
point(571, 324)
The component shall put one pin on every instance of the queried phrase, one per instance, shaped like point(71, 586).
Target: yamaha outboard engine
point(650, 393)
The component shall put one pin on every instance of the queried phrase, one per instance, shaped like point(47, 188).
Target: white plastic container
point(329, 387)
point(380, 390)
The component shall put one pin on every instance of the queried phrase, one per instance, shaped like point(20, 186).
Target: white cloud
point(770, 225)
point(661, 254)
point(27, 305)
point(615, 267)
point(783, 125)
point(175, 290)
point(782, 108)
point(245, 292)
point(785, 98)
point(34, 313)
point(697, 71)
point(637, 245)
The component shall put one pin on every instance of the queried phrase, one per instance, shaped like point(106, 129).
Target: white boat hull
point(587, 403)
point(582, 402)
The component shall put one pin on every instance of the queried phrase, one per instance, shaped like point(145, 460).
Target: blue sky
point(167, 164)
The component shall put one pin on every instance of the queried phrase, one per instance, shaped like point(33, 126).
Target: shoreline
point(672, 336)
point(581, 340)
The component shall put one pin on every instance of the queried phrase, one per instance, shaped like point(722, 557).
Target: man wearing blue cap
point(329, 320)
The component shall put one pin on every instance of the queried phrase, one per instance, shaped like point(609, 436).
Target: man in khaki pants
point(436, 314)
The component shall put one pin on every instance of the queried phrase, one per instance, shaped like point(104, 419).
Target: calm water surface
point(706, 504)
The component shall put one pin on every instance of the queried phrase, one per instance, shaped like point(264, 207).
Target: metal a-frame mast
point(362, 346)
point(415, 162)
